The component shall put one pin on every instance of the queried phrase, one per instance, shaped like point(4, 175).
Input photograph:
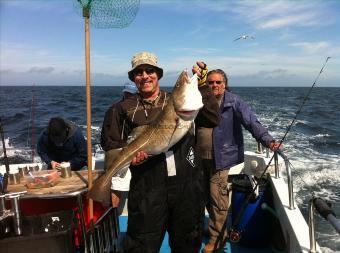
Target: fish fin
point(137, 131)
point(100, 191)
point(192, 128)
point(110, 156)
point(177, 124)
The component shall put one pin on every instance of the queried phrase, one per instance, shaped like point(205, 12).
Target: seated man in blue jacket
point(62, 141)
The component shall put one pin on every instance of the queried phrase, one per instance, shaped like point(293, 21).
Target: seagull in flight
point(244, 37)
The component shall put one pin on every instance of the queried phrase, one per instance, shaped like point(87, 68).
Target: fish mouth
point(185, 114)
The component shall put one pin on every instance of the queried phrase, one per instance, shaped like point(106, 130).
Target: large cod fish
point(170, 126)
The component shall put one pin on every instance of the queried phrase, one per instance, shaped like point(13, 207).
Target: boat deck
point(229, 248)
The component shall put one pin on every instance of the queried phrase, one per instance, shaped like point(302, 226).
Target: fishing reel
point(235, 236)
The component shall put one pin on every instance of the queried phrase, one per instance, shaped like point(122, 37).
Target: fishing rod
point(32, 125)
point(4, 181)
point(30, 139)
point(235, 235)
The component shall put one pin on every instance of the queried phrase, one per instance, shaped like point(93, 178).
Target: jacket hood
point(71, 129)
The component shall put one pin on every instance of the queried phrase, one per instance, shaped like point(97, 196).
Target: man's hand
point(275, 145)
point(201, 70)
point(115, 198)
point(140, 157)
point(54, 164)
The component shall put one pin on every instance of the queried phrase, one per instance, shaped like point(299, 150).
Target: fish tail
point(100, 191)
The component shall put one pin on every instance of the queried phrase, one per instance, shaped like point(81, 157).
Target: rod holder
point(2, 205)
point(325, 210)
point(277, 168)
point(311, 225)
point(289, 179)
point(259, 148)
point(17, 215)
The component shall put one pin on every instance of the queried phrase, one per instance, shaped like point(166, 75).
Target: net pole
point(88, 108)
point(32, 126)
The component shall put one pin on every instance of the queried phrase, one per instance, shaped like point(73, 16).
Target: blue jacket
point(228, 137)
point(74, 149)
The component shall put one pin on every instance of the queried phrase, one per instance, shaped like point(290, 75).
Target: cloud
point(312, 47)
point(25, 57)
point(51, 76)
point(273, 73)
point(38, 6)
point(280, 14)
point(194, 51)
point(292, 20)
point(41, 70)
point(6, 71)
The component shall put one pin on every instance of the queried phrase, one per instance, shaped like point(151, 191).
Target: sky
point(42, 42)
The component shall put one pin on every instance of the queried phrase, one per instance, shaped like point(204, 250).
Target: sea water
point(312, 145)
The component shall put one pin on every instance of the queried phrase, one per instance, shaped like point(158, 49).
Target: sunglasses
point(148, 71)
point(217, 82)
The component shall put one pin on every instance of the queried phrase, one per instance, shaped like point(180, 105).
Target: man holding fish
point(166, 188)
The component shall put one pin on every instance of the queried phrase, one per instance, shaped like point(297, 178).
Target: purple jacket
point(228, 137)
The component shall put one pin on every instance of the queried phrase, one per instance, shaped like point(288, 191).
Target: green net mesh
point(108, 13)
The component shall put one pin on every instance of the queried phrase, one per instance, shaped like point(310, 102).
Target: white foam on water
point(321, 135)
point(24, 154)
point(95, 128)
point(328, 250)
point(305, 122)
point(315, 171)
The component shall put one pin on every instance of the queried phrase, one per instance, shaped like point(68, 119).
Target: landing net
point(108, 13)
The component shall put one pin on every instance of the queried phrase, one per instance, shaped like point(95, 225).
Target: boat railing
point(325, 210)
point(14, 213)
point(103, 236)
point(289, 175)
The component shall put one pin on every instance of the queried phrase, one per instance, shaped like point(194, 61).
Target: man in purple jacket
point(222, 147)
